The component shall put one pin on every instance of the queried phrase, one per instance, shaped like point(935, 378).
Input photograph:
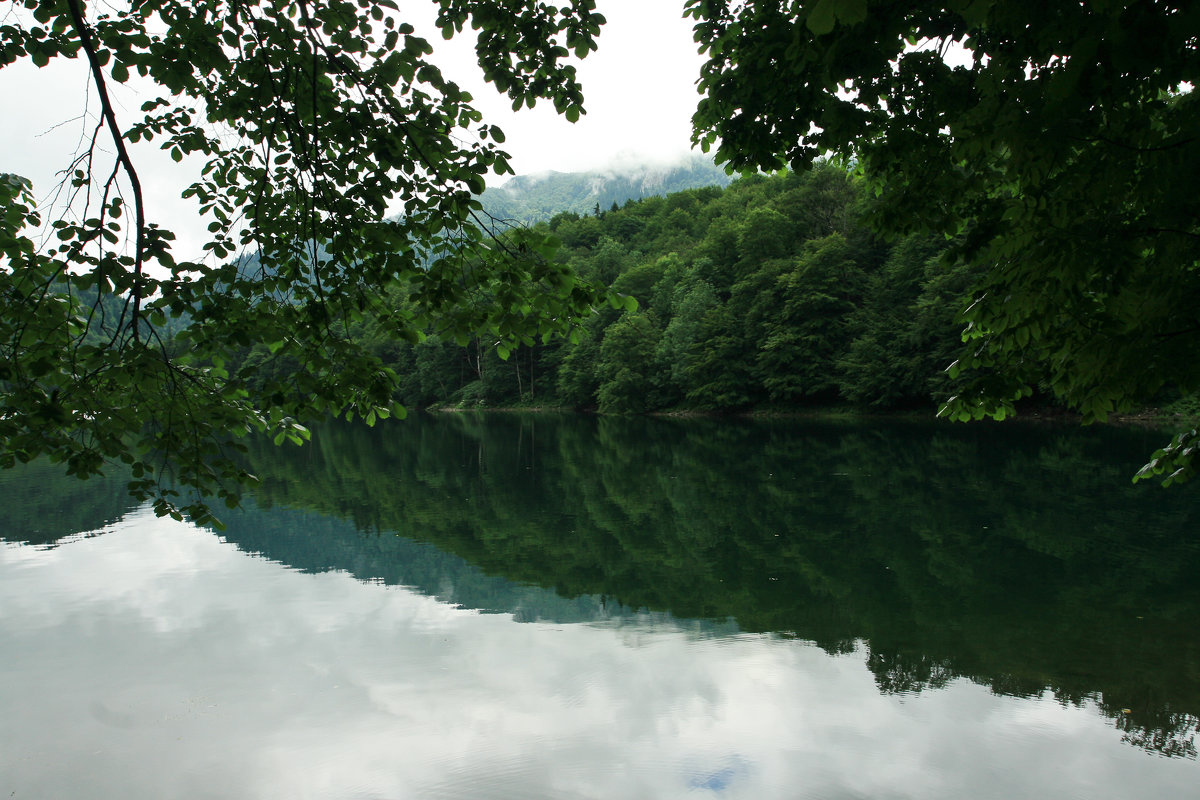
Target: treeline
point(771, 292)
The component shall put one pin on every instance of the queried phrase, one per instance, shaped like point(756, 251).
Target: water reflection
point(41, 505)
point(159, 661)
point(1050, 604)
point(1019, 557)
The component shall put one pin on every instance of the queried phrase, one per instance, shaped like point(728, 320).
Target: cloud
point(158, 661)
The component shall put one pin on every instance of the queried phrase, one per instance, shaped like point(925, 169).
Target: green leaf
point(852, 12)
point(822, 18)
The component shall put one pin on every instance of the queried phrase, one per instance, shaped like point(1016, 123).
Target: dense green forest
point(768, 293)
point(1055, 160)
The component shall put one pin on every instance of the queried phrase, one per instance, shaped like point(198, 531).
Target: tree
point(887, 363)
point(763, 235)
point(1055, 142)
point(311, 118)
point(627, 366)
point(800, 347)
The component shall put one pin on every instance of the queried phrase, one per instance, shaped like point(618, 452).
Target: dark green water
point(999, 598)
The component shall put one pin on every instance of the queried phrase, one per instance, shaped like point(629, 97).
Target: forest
point(1032, 195)
point(771, 293)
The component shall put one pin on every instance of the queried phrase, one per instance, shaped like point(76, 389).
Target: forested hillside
point(770, 293)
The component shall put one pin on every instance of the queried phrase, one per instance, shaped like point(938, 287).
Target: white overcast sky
point(639, 87)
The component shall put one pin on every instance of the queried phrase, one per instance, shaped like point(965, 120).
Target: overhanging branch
point(110, 118)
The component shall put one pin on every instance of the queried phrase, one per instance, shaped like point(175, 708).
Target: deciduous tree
point(311, 119)
point(1056, 141)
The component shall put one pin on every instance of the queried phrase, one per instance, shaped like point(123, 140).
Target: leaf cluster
point(1054, 145)
point(312, 121)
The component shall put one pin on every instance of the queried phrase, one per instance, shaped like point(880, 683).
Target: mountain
point(532, 198)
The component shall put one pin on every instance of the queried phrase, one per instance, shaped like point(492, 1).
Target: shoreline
point(1147, 418)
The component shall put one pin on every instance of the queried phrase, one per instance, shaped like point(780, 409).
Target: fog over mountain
point(531, 198)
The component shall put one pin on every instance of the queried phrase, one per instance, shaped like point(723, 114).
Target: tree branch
point(106, 106)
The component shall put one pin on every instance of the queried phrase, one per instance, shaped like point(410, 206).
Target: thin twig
point(106, 104)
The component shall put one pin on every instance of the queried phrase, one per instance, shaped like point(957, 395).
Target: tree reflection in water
point(1018, 557)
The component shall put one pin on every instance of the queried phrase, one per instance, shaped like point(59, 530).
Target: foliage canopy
point(311, 118)
point(1055, 143)
point(1054, 147)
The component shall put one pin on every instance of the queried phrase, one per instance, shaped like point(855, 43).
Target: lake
point(557, 606)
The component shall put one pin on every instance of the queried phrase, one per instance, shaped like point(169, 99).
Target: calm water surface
point(562, 607)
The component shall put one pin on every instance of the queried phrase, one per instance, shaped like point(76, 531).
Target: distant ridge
point(533, 198)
